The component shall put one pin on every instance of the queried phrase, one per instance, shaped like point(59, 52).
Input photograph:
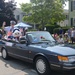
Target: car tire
point(4, 54)
point(42, 66)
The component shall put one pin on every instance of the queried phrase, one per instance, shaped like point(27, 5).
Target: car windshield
point(43, 36)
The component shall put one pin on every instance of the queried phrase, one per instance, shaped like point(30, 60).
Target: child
point(66, 39)
point(60, 40)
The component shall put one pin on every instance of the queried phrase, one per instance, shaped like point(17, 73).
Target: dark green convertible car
point(40, 48)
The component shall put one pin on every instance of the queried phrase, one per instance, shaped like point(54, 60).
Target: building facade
point(72, 12)
point(18, 13)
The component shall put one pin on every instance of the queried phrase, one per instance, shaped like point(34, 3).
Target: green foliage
point(26, 7)
point(32, 30)
point(6, 11)
point(51, 27)
point(27, 19)
point(66, 28)
point(43, 11)
point(7, 8)
point(56, 30)
point(2, 6)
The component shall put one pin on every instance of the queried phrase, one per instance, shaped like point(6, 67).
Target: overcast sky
point(27, 1)
point(20, 1)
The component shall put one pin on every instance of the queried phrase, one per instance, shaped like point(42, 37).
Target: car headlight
point(71, 59)
point(66, 59)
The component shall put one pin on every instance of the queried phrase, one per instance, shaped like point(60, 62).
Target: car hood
point(61, 49)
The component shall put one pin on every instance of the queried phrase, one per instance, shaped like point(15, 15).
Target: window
point(66, 16)
point(18, 17)
point(73, 5)
point(71, 21)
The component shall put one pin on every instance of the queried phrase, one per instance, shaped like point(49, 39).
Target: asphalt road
point(17, 67)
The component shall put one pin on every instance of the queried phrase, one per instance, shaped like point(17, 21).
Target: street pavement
point(17, 67)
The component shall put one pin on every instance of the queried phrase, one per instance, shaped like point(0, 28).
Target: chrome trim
point(20, 56)
point(69, 67)
point(55, 65)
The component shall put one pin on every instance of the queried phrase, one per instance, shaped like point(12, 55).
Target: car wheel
point(42, 66)
point(4, 54)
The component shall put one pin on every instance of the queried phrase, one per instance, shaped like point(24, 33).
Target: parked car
point(40, 48)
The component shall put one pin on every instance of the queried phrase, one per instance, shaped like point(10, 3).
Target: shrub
point(56, 30)
point(32, 30)
point(50, 28)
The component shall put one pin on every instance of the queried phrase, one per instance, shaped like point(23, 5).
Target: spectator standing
point(69, 34)
point(72, 34)
point(60, 31)
point(66, 40)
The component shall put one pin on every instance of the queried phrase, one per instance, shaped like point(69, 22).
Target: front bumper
point(68, 66)
point(63, 66)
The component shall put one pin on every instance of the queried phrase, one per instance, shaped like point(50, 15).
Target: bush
point(32, 30)
point(56, 30)
point(65, 29)
point(50, 28)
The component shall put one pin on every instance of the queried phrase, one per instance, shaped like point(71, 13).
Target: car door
point(17, 49)
point(9, 47)
point(20, 50)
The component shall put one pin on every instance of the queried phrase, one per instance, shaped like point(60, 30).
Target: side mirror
point(23, 40)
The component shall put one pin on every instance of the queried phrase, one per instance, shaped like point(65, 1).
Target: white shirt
point(72, 33)
point(61, 40)
point(7, 29)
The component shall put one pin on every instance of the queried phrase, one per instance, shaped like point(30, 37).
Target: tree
point(9, 8)
point(2, 5)
point(44, 11)
point(6, 10)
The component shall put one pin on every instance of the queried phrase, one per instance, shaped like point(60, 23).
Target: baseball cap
point(12, 22)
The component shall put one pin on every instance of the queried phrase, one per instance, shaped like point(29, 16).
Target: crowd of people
point(67, 37)
point(11, 31)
